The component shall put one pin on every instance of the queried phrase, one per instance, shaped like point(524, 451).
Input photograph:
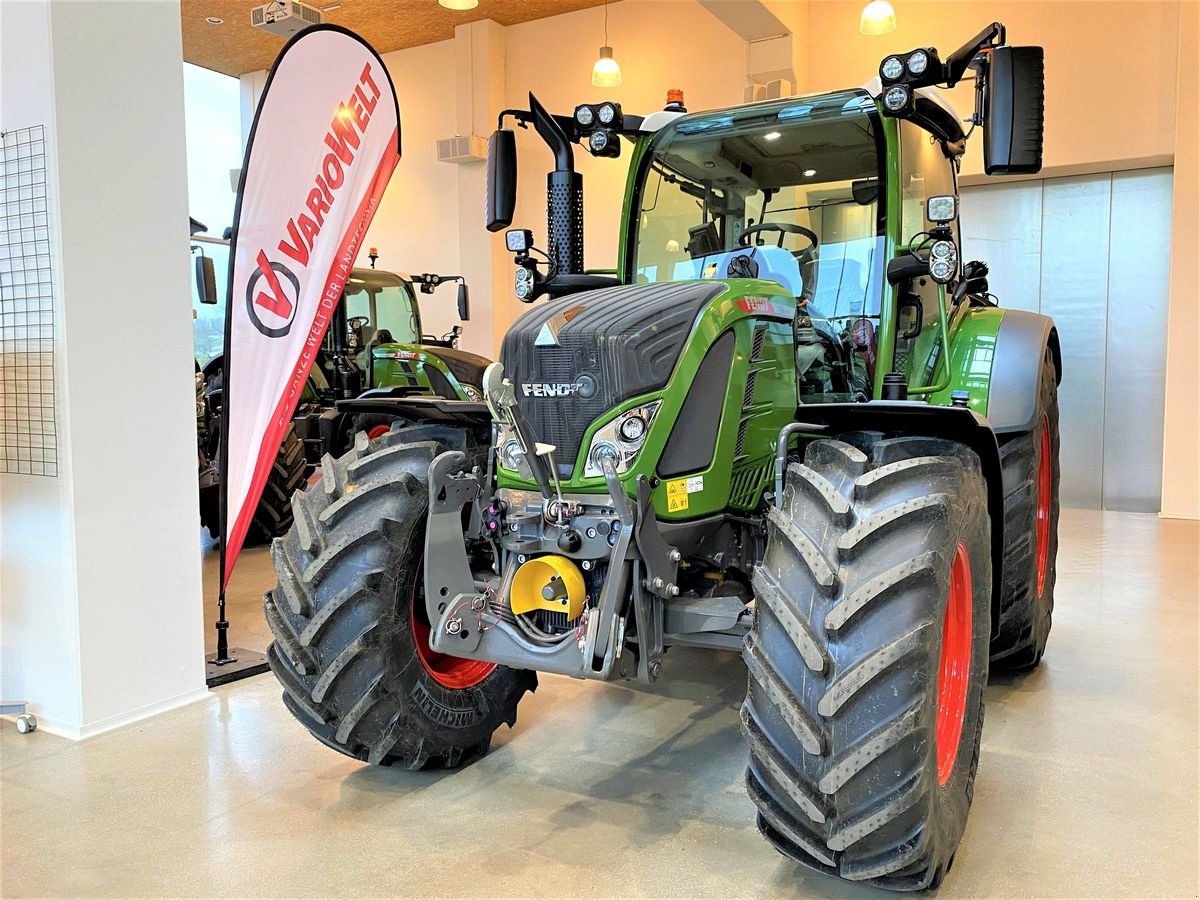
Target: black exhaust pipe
point(564, 195)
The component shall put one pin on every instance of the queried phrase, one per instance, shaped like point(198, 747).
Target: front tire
point(867, 660)
point(348, 617)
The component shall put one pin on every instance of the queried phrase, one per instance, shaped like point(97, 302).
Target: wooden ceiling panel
point(234, 47)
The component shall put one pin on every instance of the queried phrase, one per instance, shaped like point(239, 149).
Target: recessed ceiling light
point(213, 20)
point(772, 136)
point(459, 4)
point(809, 173)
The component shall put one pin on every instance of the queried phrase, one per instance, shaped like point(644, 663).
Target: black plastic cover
point(1014, 114)
point(500, 197)
point(693, 440)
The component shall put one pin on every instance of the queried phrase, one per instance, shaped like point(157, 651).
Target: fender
point(909, 417)
point(1016, 367)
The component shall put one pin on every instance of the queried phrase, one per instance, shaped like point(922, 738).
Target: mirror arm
point(957, 63)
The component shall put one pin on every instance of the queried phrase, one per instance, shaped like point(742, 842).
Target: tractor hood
point(466, 367)
point(574, 358)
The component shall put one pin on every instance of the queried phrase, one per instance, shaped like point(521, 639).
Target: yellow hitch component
point(552, 583)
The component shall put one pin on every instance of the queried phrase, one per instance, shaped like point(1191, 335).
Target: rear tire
point(350, 604)
point(867, 660)
point(273, 515)
point(1031, 475)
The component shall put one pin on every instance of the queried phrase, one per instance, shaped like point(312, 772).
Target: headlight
point(523, 289)
point(943, 261)
point(620, 440)
point(598, 141)
point(510, 455)
point(892, 68)
point(895, 98)
point(633, 429)
point(606, 113)
point(473, 393)
point(918, 62)
point(583, 115)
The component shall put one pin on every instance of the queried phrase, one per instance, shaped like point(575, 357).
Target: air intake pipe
point(564, 195)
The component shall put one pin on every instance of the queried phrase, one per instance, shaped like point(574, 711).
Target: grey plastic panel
point(1139, 262)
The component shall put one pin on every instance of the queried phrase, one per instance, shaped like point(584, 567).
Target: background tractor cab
point(374, 345)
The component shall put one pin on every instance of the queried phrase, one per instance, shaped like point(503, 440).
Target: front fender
point(1021, 343)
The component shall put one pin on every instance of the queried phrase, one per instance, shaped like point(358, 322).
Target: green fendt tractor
point(793, 425)
point(375, 347)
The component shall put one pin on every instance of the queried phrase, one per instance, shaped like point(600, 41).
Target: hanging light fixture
point(878, 17)
point(459, 4)
point(606, 72)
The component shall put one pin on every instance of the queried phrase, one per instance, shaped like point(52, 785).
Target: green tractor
point(792, 425)
point(375, 347)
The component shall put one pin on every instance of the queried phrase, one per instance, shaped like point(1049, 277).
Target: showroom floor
point(1087, 783)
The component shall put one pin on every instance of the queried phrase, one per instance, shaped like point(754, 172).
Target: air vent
point(756, 348)
point(462, 148)
point(740, 447)
point(748, 396)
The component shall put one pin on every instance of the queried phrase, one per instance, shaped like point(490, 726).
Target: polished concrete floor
point(1087, 784)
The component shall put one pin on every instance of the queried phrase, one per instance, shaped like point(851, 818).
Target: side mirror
point(206, 280)
point(1014, 111)
point(501, 188)
point(464, 302)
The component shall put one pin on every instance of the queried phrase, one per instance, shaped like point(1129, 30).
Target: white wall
point(100, 620)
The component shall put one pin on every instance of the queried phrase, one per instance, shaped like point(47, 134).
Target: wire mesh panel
point(28, 432)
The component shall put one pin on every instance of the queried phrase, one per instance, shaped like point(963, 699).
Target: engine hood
point(574, 358)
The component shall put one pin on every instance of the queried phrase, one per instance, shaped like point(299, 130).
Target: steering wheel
point(803, 255)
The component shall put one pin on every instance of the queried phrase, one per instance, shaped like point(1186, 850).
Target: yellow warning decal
point(678, 490)
point(677, 495)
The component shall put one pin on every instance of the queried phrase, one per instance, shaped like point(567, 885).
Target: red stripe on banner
point(335, 283)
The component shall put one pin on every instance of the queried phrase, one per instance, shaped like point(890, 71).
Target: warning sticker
point(678, 490)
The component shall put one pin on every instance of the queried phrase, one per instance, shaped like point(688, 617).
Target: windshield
point(787, 191)
point(380, 309)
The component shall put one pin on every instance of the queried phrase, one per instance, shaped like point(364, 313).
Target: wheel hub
point(1042, 522)
point(954, 667)
point(449, 671)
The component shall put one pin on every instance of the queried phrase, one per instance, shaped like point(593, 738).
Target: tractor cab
point(786, 193)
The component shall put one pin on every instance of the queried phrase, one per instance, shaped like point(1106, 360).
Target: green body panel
point(732, 479)
point(408, 365)
point(635, 158)
point(972, 348)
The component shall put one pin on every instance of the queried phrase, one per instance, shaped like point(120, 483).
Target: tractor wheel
point(868, 657)
point(273, 515)
point(1030, 467)
point(376, 425)
point(348, 616)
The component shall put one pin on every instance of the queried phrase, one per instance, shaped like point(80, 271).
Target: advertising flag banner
point(325, 140)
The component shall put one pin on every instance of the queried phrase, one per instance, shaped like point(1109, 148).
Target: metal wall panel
point(1075, 221)
point(1138, 271)
point(1092, 252)
point(1002, 225)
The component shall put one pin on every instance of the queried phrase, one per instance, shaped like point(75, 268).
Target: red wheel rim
point(449, 671)
point(954, 669)
point(377, 432)
point(1042, 523)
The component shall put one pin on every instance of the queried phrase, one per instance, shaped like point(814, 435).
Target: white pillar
point(480, 71)
point(100, 592)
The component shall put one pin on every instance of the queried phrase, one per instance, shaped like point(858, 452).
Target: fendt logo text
point(550, 390)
